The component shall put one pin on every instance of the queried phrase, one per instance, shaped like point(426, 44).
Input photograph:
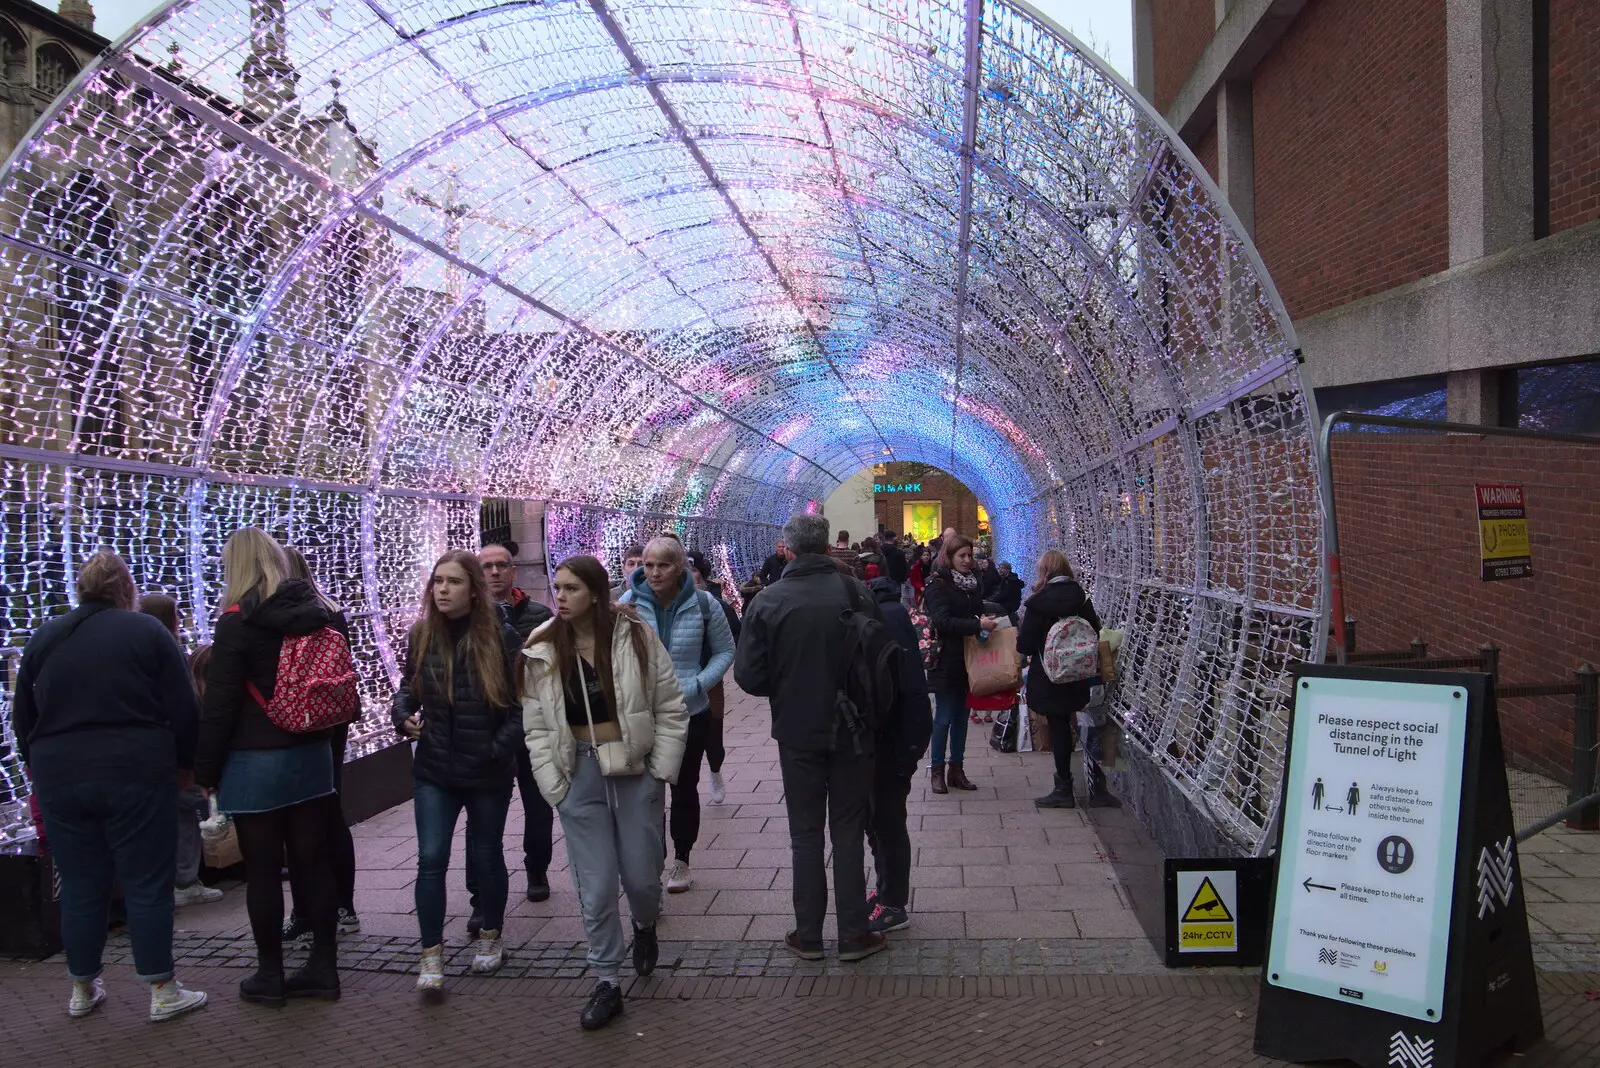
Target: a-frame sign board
point(1398, 934)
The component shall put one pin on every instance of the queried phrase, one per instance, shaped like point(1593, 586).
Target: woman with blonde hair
point(105, 721)
point(605, 726)
point(458, 702)
point(277, 784)
point(1056, 596)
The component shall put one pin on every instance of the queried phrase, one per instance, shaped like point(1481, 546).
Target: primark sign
point(897, 487)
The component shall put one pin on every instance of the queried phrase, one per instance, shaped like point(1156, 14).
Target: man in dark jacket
point(772, 570)
point(902, 739)
point(894, 561)
point(524, 615)
point(792, 651)
point(1009, 594)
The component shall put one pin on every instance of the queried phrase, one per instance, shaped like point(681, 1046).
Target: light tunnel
point(346, 268)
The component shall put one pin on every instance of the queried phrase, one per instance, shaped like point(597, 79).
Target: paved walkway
point(1028, 946)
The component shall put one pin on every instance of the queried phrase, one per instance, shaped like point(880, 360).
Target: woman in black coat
point(458, 702)
point(1057, 596)
point(955, 609)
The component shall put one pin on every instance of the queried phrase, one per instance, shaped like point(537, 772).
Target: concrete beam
point(1489, 74)
point(1529, 304)
point(1144, 49)
point(1236, 150)
point(1244, 37)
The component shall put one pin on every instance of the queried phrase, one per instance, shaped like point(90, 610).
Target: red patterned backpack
point(316, 683)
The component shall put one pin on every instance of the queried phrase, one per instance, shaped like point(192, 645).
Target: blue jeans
point(949, 725)
point(436, 809)
point(105, 829)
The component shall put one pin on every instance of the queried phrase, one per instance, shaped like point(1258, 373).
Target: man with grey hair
point(792, 650)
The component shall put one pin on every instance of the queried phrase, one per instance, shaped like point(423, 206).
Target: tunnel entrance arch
point(353, 266)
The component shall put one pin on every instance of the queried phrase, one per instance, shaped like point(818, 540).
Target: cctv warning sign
point(1210, 902)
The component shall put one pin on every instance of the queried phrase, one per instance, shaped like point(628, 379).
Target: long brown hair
point(485, 641)
point(947, 551)
point(561, 634)
point(1052, 565)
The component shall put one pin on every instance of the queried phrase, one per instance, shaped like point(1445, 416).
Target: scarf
point(963, 582)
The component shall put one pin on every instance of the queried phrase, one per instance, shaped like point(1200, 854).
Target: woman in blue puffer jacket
point(691, 625)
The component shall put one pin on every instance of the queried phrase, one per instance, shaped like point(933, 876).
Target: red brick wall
point(1179, 31)
point(1207, 151)
point(1351, 181)
point(1409, 546)
point(1574, 113)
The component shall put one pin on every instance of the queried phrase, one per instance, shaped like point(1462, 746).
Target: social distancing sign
point(1208, 922)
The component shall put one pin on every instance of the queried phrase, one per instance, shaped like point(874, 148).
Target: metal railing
point(1582, 810)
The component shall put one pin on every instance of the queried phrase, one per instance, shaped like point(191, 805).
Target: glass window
point(1406, 398)
point(1561, 398)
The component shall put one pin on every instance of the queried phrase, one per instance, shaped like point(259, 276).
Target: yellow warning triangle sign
point(1207, 906)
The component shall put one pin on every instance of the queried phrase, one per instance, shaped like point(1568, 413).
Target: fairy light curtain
point(344, 268)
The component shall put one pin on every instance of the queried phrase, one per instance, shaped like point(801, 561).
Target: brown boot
point(936, 780)
point(958, 779)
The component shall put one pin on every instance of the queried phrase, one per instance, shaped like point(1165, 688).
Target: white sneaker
point(197, 894)
point(719, 789)
point(86, 997)
point(679, 880)
point(431, 974)
point(170, 999)
point(490, 953)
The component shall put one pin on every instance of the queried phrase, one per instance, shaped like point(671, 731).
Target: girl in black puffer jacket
point(955, 610)
point(458, 702)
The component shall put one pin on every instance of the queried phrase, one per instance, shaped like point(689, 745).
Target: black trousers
point(684, 819)
point(341, 845)
point(1063, 728)
point(716, 752)
point(889, 839)
point(301, 831)
point(833, 789)
point(538, 827)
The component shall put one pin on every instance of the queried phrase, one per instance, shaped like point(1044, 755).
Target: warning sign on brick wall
point(1503, 532)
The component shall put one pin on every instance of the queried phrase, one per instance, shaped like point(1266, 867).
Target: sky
point(1107, 25)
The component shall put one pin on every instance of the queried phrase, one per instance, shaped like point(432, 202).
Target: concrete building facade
point(1422, 178)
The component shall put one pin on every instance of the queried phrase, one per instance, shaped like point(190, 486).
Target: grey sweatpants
point(614, 831)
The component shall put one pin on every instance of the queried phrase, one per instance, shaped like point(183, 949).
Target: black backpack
point(868, 684)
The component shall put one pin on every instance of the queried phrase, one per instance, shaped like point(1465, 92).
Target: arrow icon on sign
point(1309, 885)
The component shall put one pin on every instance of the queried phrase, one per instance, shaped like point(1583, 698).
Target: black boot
point(319, 978)
point(1060, 797)
point(263, 988)
point(538, 887)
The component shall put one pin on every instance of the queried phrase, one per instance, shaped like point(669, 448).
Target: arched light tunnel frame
point(1110, 492)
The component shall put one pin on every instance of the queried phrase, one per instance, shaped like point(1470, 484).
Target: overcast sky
point(1106, 24)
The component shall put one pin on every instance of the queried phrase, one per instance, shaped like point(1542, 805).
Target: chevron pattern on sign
point(1497, 876)
point(1410, 1051)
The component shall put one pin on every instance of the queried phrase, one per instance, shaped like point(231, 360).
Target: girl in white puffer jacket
point(605, 724)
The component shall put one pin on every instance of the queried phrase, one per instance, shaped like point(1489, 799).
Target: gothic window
point(54, 69)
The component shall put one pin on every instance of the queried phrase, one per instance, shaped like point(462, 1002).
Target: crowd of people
point(599, 712)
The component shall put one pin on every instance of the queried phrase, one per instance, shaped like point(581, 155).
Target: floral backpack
point(315, 687)
point(1071, 651)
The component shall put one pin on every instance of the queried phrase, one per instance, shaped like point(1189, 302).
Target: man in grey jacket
point(791, 650)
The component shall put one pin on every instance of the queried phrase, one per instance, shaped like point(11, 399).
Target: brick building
point(922, 500)
point(1422, 179)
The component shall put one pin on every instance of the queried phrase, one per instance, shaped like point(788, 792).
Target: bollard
point(1489, 656)
point(1349, 635)
point(1419, 649)
point(1585, 711)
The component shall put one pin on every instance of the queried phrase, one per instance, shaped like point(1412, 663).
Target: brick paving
point(1028, 946)
point(1177, 1021)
